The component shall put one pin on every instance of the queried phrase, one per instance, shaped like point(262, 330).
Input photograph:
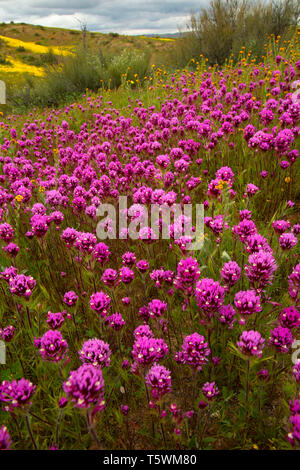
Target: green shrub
point(81, 71)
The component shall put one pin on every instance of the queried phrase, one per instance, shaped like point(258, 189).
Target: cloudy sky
point(123, 16)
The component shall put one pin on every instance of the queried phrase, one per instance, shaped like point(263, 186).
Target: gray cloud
point(123, 16)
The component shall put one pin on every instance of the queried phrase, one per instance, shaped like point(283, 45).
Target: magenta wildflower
point(6, 232)
point(294, 436)
point(210, 390)
point(296, 373)
point(7, 333)
point(209, 295)
point(110, 277)
point(257, 242)
point(5, 441)
point(251, 343)
point(100, 302)
point(260, 269)
point(244, 229)
point(281, 226)
point(289, 318)
point(55, 320)
point(247, 302)
point(12, 249)
point(157, 308)
point(70, 298)
point(194, 351)
point(85, 386)
point(226, 315)
point(96, 352)
point(282, 339)
point(22, 285)
point(101, 252)
point(188, 272)
point(129, 259)
point(124, 410)
point(16, 394)
point(126, 275)
point(159, 380)
point(143, 330)
point(116, 321)
point(231, 273)
point(146, 350)
point(287, 241)
point(142, 265)
point(52, 346)
point(294, 282)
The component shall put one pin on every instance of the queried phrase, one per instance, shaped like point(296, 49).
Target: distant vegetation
point(222, 28)
point(52, 70)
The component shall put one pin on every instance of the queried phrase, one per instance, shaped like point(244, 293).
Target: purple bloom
point(100, 302)
point(110, 277)
point(148, 350)
point(244, 229)
point(159, 379)
point(143, 330)
point(85, 386)
point(294, 436)
point(55, 320)
point(296, 373)
point(247, 302)
point(85, 242)
point(294, 282)
point(70, 298)
point(22, 285)
point(116, 321)
point(210, 390)
point(96, 352)
point(129, 259)
point(257, 242)
point(251, 189)
point(6, 232)
point(126, 275)
point(39, 225)
point(7, 333)
point(226, 315)
point(124, 410)
point(281, 338)
point(194, 351)
point(8, 273)
point(5, 441)
point(289, 318)
point(231, 272)
point(52, 346)
point(142, 265)
point(209, 295)
point(69, 236)
point(287, 241)
point(260, 269)
point(188, 272)
point(101, 252)
point(157, 308)
point(251, 343)
point(263, 374)
point(16, 394)
point(12, 249)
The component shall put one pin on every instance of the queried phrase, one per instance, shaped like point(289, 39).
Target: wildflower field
point(121, 343)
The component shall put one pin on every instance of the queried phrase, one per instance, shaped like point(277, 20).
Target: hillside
point(29, 49)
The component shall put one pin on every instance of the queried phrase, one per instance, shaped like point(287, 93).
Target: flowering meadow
point(146, 344)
